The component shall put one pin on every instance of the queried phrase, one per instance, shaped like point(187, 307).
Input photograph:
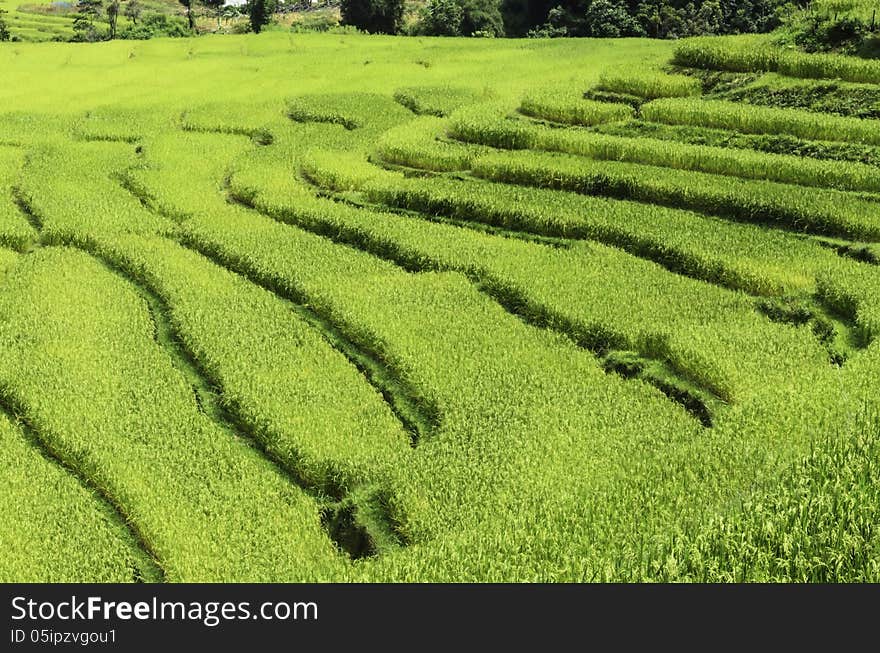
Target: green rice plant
point(152, 180)
point(273, 393)
point(633, 101)
point(564, 106)
point(770, 143)
point(863, 9)
point(8, 259)
point(19, 129)
point(426, 152)
point(331, 428)
point(762, 120)
point(829, 66)
point(245, 227)
point(754, 259)
point(120, 123)
point(248, 269)
point(258, 385)
point(820, 212)
point(317, 455)
point(257, 247)
point(253, 118)
point(81, 363)
point(15, 231)
point(39, 30)
point(68, 189)
point(485, 124)
point(749, 54)
point(744, 164)
point(322, 109)
point(236, 369)
point(417, 144)
point(548, 277)
point(819, 96)
point(647, 84)
point(338, 171)
point(739, 54)
point(854, 292)
point(489, 127)
point(445, 247)
point(436, 100)
point(55, 530)
point(399, 315)
point(352, 111)
point(69, 80)
point(817, 524)
point(252, 244)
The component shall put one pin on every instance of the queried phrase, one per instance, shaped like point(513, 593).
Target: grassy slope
point(130, 90)
point(272, 66)
point(30, 22)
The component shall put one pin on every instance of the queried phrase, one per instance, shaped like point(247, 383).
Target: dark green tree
point(190, 17)
point(112, 10)
point(4, 27)
point(709, 19)
point(482, 17)
point(152, 24)
point(374, 16)
point(260, 13)
point(522, 16)
point(441, 18)
point(133, 10)
point(655, 18)
point(229, 12)
point(87, 13)
point(607, 19)
point(216, 7)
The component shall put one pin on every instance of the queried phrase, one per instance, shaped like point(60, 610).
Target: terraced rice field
point(344, 308)
point(27, 24)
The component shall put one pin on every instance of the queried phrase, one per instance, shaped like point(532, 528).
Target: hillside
point(53, 21)
point(331, 307)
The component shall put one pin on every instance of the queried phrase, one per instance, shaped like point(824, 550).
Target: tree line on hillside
point(847, 26)
point(554, 18)
point(97, 20)
point(813, 26)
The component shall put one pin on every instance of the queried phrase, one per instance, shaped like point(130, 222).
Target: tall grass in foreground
point(820, 524)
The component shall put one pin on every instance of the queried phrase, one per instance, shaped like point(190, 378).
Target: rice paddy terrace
point(343, 308)
point(39, 21)
point(52, 20)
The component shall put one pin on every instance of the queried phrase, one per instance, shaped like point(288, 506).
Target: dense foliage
point(848, 27)
point(5, 34)
point(441, 18)
point(667, 19)
point(373, 16)
point(602, 18)
point(260, 13)
point(151, 24)
point(813, 27)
